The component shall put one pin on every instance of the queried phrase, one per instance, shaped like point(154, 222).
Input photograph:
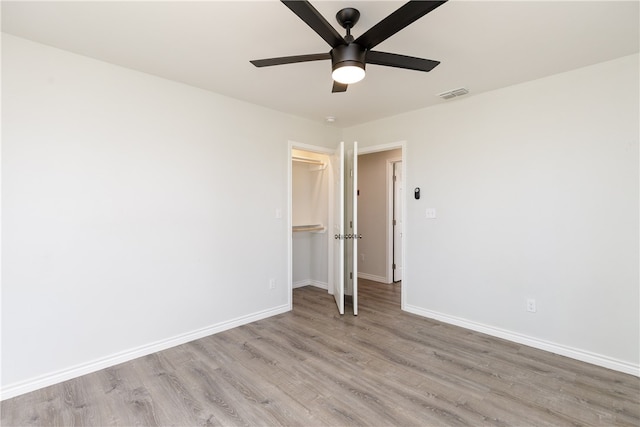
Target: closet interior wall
point(310, 216)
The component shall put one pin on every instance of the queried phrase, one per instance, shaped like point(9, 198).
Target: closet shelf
point(312, 162)
point(315, 228)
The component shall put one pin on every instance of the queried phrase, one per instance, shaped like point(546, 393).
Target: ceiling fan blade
point(313, 19)
point(339, 87)
point(290, 59)
point(400, 61)
point(404, 16)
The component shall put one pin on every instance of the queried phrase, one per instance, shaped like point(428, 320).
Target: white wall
point(138, 213)
point(536, 191)
point(373, 207)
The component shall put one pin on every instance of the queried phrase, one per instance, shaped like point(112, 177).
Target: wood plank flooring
point(313, 367)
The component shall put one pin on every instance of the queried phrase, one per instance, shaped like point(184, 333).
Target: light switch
point(431, 213)
point(278, 213)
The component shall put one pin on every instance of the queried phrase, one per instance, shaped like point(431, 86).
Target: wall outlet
point(362, 257)
point(272, 283)
point(531, 305)
point(430, 213)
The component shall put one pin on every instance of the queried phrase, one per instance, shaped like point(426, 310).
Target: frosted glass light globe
point(348, 74)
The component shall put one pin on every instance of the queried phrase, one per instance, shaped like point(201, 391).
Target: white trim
point(309, 282)
point(382, 147)
point(353, 189)
point(373, 277)
point(574, 353)
point(308, 147)
point(405, 199)
point(321, 285)
point(390, 214)
point(289, 230)
point(13, 390)
point(388, 221)
point(301, 283)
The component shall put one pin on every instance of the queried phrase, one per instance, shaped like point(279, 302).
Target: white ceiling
point(483, 45)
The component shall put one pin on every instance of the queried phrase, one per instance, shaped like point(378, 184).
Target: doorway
point(310, 210)
point(317, 211)
point(381, 219)
point(324, 230)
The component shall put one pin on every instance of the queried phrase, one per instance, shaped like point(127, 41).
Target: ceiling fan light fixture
point(348, 74)
point(347, 63)
point(349, 55)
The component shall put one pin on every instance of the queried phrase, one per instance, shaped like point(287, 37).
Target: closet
point(310, 216)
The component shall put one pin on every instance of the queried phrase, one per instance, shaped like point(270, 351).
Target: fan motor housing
point(348, 54)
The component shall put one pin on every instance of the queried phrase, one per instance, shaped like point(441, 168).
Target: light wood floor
point(312, 367)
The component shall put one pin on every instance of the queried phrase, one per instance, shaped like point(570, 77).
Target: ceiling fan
point(348, 55)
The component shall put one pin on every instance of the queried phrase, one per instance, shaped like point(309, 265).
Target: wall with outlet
point(536, 191)
point(137, 213)
point(132, 205)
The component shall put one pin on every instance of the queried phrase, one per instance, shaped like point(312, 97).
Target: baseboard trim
point(373, 277)
point(574, 353)
point(13, 390)
point(301, 283)
point(309, 282)
point(321, 285)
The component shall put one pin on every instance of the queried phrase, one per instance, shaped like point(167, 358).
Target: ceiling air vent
point(453, 93)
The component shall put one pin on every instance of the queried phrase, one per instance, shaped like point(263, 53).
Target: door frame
point(389, 214)
point(289, 231)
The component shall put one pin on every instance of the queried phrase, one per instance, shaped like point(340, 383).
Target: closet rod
point(306, 160)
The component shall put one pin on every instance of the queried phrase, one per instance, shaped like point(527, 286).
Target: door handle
point(347, 236)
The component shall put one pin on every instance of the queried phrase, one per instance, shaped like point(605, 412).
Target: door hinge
point(351, 172)
point(350, 224)
point(394, 222)
point(351, 275)
point(394, 266)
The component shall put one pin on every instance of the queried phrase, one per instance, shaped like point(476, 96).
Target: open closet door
point(351, 222)
point(337, 170)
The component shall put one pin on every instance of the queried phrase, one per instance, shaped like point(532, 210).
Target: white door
point(337, 169)
point(397, 221)
point(351, 223)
